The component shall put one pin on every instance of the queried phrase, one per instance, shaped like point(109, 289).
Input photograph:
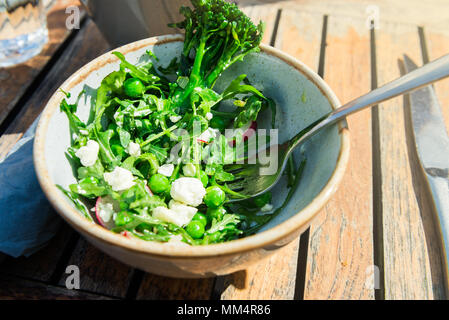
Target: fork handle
point(429, 73)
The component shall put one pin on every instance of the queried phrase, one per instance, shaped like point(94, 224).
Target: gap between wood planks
point(305, 237)
point(378, 256)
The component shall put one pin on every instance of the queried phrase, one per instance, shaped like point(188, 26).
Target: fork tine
point(235, 171)
point(233, 168)
point(236, 185)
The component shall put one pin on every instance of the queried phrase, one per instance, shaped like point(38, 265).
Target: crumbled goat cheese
point(267, 208)
point(183, 210)
point(120, 179)
point(189, 170)
point(133, 149)
point(166, 169)
point(177, 213)
point(209, 116)
point(88, 154)
point(208, 135)
point(188, 190)
point(175, 119)
point(106, 210)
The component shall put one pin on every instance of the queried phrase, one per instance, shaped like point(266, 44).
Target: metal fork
point(250, 182)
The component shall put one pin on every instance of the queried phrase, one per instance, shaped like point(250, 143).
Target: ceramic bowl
point(301, 97)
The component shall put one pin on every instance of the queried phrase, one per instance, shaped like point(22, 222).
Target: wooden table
point(374, 240)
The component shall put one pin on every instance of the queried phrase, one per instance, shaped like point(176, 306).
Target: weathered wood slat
point(161, 288)
point(341, 239)
point(406, 266)
point(431, 13)
point(271, 279)
point(18, 289)
point(14, 81)
point(99, 273)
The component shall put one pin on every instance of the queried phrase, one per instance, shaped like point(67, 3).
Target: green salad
point(152, 160)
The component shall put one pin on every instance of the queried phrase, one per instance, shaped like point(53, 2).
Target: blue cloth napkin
point(27, 221)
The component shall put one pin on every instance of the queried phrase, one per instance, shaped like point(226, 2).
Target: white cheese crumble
point(88, 154)
point(166, 169)
point(84, 132)
point(133, 149)
point(267, 208)
point(189, 170)
point(208, 135)
point(177, 213)
point(175, 119)
point(106, 210)
point(209, 116)
point(120, 179)
point(188, 190)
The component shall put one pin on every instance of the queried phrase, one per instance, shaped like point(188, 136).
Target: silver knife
point(432, 145)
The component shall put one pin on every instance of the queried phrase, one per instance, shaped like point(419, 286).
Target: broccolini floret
point(217, 34)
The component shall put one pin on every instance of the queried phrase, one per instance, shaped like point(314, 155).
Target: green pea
point(195, 229)
point(215, 197)
point(218, 122)
point(158, 183)
point(216, 213)
point(122, 218)
point(214, 237)
point(204, 178)
point(263, 199)
point(201, 218)
point(134, 88)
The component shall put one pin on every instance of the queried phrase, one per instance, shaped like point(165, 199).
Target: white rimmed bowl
point(301, 97)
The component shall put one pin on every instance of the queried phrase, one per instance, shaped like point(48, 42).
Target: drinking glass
point(23, 30)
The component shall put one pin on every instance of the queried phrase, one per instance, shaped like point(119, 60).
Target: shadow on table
point(234, 281)
point(425, 203)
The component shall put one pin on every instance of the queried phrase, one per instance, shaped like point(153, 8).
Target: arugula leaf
point(252, 108)
point(75, 123)
point(111, 84)
point(129, 164)
point(147, 164)
point(125, 137)
point(160, 152)
point(106, 154)
point(76, 201)
point(95, 171)
point(228, 223)
point(208, 98)
point(235, 88)
point(135, 71)
point(89, 187)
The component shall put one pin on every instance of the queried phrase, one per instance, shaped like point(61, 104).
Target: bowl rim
point(274, 235)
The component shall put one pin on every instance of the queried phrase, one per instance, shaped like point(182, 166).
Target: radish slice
point(250, 129)
point(125, 234)
point(149, 190)
point(105, 208)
